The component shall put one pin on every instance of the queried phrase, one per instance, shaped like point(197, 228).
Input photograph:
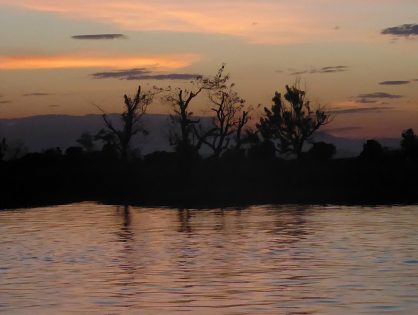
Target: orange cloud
point(259, 21)
point(164, 62)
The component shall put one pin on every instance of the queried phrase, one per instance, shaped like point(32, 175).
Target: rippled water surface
point(95, 259)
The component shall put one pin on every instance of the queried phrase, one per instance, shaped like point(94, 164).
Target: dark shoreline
point(200, 206)
point(164, 179)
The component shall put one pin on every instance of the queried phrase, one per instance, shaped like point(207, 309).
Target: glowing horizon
point(80, 61)
point(356, 57)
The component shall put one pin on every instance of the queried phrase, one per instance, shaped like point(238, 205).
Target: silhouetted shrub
point(86, 140)
point(264, 150)
point(53, 152)
point(409, 144)
point(74, 152)
point(291, 121)
point(322, 151)
point(372, 151)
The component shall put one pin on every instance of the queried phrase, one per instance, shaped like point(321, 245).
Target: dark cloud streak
point(120, 74)
point(400, 82)
point(36, 94)
point(405, 30)
point(328, 69)
point(379, 95)
point(143, 74)
point(359, 110)
point(170, 76)
point(365, 101)
point(99, 36)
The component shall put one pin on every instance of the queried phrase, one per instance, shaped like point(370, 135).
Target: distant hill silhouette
point(49, 131)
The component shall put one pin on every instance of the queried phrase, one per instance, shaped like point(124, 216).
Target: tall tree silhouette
point(291, 121)
point(187, 136)
point(135, 109)
point(229, 120)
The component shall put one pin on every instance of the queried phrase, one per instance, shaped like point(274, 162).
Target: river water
point(96, 259)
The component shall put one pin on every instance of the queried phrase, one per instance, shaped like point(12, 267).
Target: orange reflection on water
point(97, 259)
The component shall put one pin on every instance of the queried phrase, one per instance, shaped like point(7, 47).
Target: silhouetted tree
point(372, 151)
point(229, 120)
point(109, 140)
point(86, 140)
point(135, 109)
point(409, 144)
point(242, 122)
point(322, 151)
point(187, 136)
point(291, 121)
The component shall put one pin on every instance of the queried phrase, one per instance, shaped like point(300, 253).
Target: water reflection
point(96, 259)
point(125, 234)
point(184, 217)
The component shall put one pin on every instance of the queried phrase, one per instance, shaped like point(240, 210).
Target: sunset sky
point(359, 58)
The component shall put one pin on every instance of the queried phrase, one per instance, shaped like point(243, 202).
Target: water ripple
point(95, 259)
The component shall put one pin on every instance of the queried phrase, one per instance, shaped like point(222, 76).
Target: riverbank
point(165, 180)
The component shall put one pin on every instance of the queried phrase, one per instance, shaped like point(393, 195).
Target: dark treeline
point(216, 161)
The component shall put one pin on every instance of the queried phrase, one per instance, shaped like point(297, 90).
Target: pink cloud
point(258, 21)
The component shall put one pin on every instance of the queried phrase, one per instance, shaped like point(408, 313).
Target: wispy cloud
point(5, 102)
point(379, 95)
point(143, 74)
point(169, 76)
point(394, 82)
point(405, 30)
point(343, 129)
point(359, 110)
point(328, 69)
point(96, 61)
point(99, 36)
point(363, 100)
point(120, 74)
point(253, 20)
point(36, 94)
point(376, 97)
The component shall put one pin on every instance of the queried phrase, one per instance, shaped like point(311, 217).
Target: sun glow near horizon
point(94, 61)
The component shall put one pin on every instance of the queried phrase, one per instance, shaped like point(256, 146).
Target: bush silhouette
point(372, 151)
point(291, 121)
point(409, 144)
point(322, 151)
